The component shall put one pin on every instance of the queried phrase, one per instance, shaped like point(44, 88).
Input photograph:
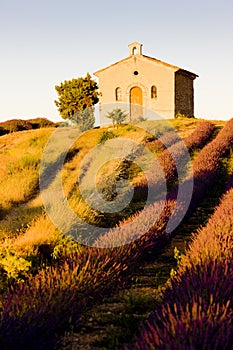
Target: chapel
point(146, 87)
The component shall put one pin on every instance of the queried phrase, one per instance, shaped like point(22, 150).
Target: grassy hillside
point(48, 280)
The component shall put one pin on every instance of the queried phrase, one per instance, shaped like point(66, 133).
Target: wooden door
point(136, 103)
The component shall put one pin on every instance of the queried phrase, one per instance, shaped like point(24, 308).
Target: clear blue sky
point(44, 42)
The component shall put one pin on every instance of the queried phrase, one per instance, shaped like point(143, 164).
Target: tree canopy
point(76, 99)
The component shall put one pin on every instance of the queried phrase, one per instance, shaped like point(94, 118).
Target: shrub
point(211, 280)
point(14, 266)
point(117, 116)
point(197, 325)
point(107, 135)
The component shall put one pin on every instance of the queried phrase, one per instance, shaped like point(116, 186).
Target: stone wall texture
point(184, 94)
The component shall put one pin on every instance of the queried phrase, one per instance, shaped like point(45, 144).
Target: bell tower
point(135, 49)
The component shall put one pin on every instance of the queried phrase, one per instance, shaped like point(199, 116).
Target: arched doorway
point(135, 99)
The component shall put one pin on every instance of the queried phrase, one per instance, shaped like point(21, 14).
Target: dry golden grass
point(20, 155)
point(42, 231)
point(184, 127)
point(20, 218)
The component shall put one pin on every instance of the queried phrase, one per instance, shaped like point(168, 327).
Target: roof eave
point(110, 66)
point(187, 73)
point(175, 68)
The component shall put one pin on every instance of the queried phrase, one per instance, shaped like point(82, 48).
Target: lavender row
point(197, 139)
point(146, 221)
point(35, 311)
point(207, 165)
point(174, 159)
point(197, 307)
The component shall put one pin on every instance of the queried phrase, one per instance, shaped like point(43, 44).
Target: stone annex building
point(145, 87)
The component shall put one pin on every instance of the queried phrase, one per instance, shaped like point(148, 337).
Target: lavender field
point(50, 283)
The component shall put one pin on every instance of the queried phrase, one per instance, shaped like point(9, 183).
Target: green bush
point(13, 266)
point(107, 135)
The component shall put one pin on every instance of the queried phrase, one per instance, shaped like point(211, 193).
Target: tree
point(85, 119)
point(76, 99)
point(117, 115)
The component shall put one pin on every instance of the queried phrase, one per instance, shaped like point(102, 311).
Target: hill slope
point(61, 277)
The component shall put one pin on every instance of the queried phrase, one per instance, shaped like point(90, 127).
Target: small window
point(118, 94)
point(153, 91)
